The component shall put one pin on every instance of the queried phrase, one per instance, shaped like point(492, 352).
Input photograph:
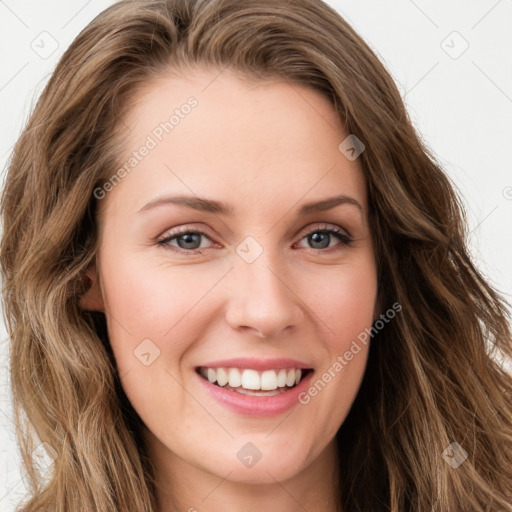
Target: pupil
point(188, 238)
point(317, 238)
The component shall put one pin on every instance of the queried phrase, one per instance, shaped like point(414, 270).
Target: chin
point(250, 462)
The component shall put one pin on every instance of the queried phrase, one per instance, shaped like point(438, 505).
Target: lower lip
point(258, 405)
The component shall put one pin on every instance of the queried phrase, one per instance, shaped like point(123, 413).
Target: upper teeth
point(252, 379)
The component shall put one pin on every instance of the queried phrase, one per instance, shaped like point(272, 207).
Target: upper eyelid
point(182, 230)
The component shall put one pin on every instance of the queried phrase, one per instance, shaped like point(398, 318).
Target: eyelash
point(345, 240)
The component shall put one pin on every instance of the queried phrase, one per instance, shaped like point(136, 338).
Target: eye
point(320, 238)
point(188, 241)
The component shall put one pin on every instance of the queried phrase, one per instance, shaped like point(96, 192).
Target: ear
point(92, 299)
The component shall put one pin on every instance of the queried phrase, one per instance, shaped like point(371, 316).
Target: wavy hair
point(433, 375)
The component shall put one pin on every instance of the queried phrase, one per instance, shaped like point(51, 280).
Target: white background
point(461, 106)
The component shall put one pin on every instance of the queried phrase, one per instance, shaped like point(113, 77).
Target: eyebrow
point(212, 206)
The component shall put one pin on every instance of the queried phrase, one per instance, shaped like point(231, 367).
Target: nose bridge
point(261, 295)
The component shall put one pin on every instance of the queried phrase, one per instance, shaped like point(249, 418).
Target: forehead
point(215, 135)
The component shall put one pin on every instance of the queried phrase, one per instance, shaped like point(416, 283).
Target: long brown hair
point(432, 376)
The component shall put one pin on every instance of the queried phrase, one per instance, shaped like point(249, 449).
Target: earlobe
point(92, 299)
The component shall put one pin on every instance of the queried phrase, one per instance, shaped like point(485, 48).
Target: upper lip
point(257, 364)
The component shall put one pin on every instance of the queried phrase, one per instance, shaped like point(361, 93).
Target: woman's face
point(258, 281)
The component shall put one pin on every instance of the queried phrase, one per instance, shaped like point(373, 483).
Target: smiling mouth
point(252, 382)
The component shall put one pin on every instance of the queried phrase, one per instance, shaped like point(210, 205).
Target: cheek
point(151, 325)
point(345, 305)
point(152, 301)
point(352, 308)
point(343, 300)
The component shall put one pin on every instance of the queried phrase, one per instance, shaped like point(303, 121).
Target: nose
point(261, 299)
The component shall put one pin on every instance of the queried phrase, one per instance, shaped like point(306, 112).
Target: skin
point(266, 149)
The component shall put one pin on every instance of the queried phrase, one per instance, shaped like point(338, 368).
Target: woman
point(234, 278)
